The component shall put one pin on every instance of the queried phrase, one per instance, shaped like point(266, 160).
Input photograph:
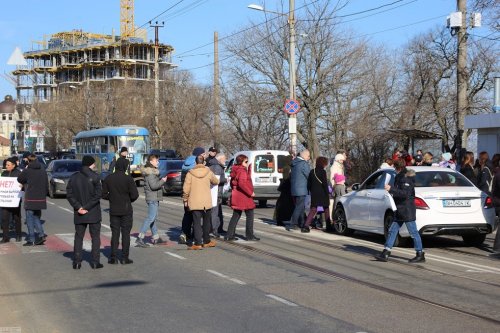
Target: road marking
point(175, 255)
point(282, 300)
point(226, 277)
point(106, 226)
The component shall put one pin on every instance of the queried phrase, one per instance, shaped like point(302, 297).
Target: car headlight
point(57, 180)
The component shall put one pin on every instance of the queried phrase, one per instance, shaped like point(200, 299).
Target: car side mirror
point(355, 186)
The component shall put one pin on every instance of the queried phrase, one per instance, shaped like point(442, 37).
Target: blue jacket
point(189, 163)
point(298, 177)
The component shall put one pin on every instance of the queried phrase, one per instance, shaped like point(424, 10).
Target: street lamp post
point(292, 118)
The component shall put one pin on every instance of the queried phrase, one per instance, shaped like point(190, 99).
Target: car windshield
point(440, 178)
point(67, 167)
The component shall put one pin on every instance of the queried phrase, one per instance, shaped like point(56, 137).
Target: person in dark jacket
point(216, 165)
point(284, 204)
point(298, 178)
point(467, 167)
point(123, 155)
point(187, 220)
point(34, 179)
point(317, 183)
point(495, 195)
point(485, 173)
point(84, 193)
point(13, 213)
point(242, 195)
point(154, 194)
point(403, 193)
point(120, 190)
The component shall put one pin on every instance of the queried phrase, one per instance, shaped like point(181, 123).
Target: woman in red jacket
point(241, 199)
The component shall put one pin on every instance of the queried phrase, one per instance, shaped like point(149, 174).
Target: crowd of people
point(203, 174)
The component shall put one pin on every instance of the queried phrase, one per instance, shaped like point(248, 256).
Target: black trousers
point(7, 212)
point(202, 232)
point(187, 223)
point(231, 229)
point(123, 225)
point(95, 234)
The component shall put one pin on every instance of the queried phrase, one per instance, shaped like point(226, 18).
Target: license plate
point(264, 180)
point(456, 203)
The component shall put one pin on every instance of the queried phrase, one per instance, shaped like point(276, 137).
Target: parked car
point(447, 204)
point(58, 173)
point(172, 168)
point(266, 170)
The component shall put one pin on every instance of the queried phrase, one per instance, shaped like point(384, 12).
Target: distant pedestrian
point(284, 204)
point(467, 167)
point(154, 194)
point(242, 195)
point(84, 191)
point(212, 152)
point(403, 194)
point(34, 179)
point(187, 220)
point(485, 173)
point(217, 165)
point(317, 184)
point(299, 175)
point(495, 195)
point(123, 154)
point(428, 159)
point(11, 213)
point(197, 198)
point(447, 162)
point(337, 174)
point(121, 191)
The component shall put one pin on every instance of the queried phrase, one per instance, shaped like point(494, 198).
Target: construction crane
point(127, 19)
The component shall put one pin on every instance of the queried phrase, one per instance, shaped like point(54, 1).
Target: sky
point(190, 24)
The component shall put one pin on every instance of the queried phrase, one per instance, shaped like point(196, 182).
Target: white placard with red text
point(10, 192)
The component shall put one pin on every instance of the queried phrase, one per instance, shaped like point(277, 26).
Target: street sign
point(291, 106)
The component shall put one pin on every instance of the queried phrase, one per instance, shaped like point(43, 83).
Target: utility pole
point(462, 75)
point(156, 122)
point(292, 120)
point(216, 92)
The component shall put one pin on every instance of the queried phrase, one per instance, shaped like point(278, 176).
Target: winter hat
point(121, 164)
point(419, 158)
point(339, 157)
point(446, 156)
point(124, 149)
point(213, 150)
point(87, 160)
point(25, 155)
point(198, 151)
point(338, 178)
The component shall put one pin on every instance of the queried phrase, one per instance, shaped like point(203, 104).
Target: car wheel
point(388, 219)
point(340, 222)
point(262, 203)
point(474, 240)
point(52, 191)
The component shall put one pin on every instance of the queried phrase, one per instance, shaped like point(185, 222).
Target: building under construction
point(65, 62)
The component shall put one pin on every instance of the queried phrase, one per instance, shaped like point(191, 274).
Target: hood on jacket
point(237, 169)
point(146, 171)
point(189, 163)
point(199, 171)
point(121, 164)
point(298, 160)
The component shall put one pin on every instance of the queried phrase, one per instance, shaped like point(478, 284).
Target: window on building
point(4, 116)
point(10, 116)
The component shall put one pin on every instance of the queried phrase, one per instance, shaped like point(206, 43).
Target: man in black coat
point(84, 193)
point(216, 165)
point(34, 179)
point(9, 213)
point(403, 194)
point(121, 191)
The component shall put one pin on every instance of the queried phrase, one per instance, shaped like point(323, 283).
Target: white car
point(447, 204)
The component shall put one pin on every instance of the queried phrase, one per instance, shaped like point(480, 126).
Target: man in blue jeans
point(34, 179)
point(154, 194)
point(403, 193)
point(298, 179)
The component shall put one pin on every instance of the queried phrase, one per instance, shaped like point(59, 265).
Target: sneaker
point(139, 242)
point(210, 244)
point(159, 241)
point(305, 230)
point(195, 247)
point(29, 244)
point(182, 239)
point(40, 241)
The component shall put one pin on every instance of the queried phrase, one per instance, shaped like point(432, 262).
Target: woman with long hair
point(467, 167)
point(242, 195)
point(317, 184)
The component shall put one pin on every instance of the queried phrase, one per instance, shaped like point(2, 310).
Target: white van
point(266, 170)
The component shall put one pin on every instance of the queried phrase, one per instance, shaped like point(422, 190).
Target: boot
point(420, 257)
point(383, 256)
